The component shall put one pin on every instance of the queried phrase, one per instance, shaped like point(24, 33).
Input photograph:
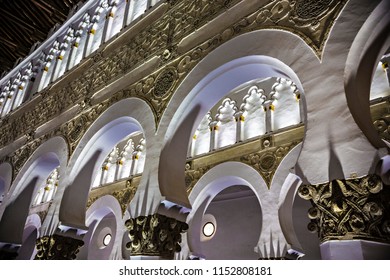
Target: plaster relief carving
point(57, 247)
point(155, 235)
point(349, 209)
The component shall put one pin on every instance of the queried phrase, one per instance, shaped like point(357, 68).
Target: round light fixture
point(208, 229)
point(107, 239)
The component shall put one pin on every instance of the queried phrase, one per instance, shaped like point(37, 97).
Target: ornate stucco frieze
point(124, 194)
point(21, 155)
point(265, 161)
point(155, 235)
point(349, 209)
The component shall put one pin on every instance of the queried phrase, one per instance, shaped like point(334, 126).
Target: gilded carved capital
point(349, 209)
point(57, 247)
point(155, 235)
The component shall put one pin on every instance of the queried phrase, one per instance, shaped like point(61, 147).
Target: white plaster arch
point(370, 43)
point(30, 234)
point(286, 184)
point(118, 121)
point(104, 216)
point(217, 179)
point(5, 179)
point(15, 209)
point(226, 68)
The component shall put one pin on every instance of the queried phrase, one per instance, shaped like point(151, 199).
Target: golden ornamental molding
point(349, 209)
point(192, 176)
point(312, 20)
point(155, 235)
point(265, 162)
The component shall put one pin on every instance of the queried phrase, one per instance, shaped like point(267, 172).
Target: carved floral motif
point(20, 156)
point(307, 9)
point(349, 209)
point(165, 82)
point(57, 247)
point(192, 176)
point(155, 235)
point(266, 162)
point(124, 196)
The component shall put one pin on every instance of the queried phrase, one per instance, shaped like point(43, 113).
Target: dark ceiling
point(25, 22)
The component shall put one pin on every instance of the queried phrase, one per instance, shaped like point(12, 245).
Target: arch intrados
point(223, 176)
point(113, 125)
point(5, 176)
point(371, 42)
point(218, 83)
point(219, 178)
point(104, 206)
point(49, 155)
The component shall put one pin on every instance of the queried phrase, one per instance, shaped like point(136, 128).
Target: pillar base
point(355, 250)
point(142, 258)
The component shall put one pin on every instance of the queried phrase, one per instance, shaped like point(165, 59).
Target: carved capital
point(349, 209)
point(155, 235)
point(57, 247)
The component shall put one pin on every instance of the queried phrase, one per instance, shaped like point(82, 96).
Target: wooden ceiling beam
point(17, 36)
point(32, 12)
point(49, 21)
point(25, 22)
point(62, 5)
point(17, 21)
point(19, 12)
point(46, 12)
point(12, 55)
point(56, 7)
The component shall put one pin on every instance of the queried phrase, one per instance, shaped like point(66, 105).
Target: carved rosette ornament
point(155, 235)
point(57, 247)
point(266, 162)
point(349, 209)
point(165, 82)
point(382, 126)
